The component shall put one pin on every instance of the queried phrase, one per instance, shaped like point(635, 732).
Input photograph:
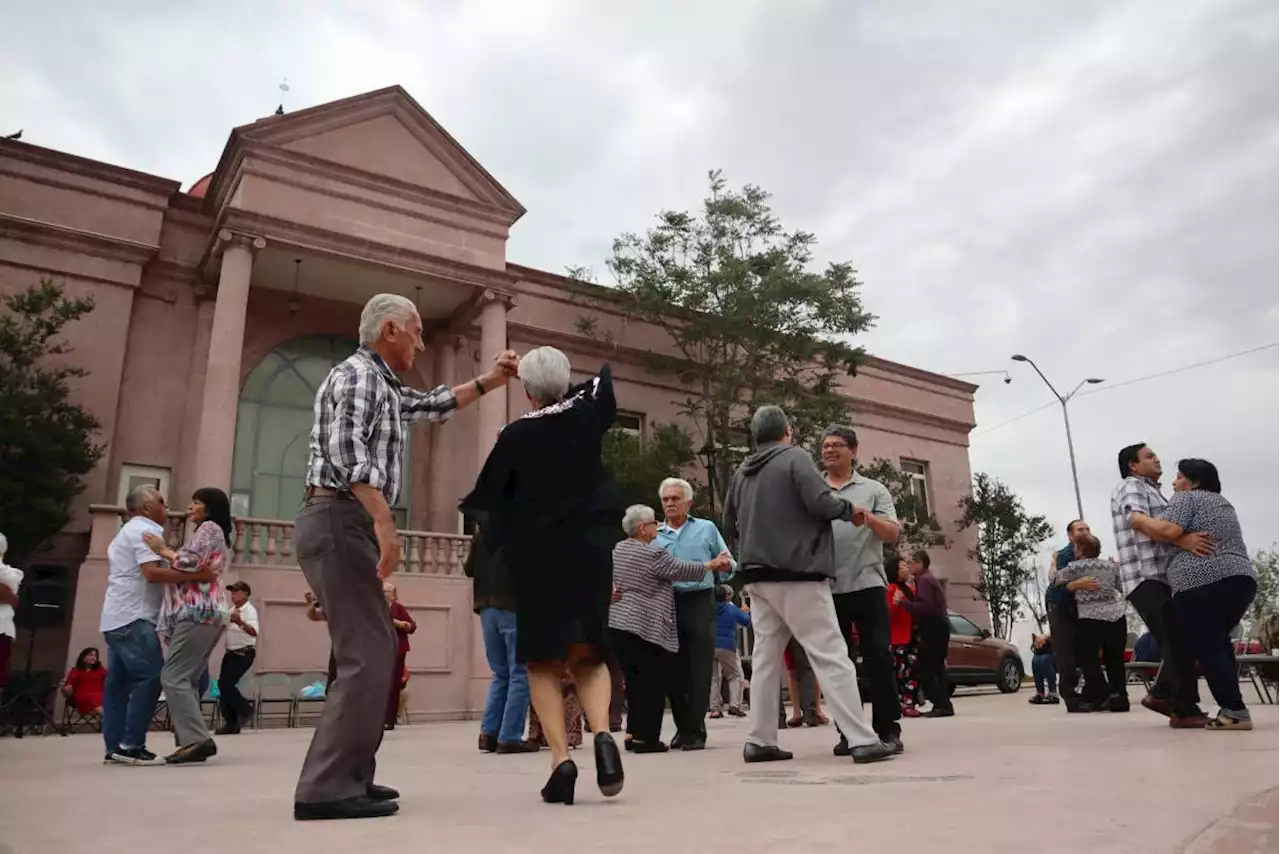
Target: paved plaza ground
point(1001, 776)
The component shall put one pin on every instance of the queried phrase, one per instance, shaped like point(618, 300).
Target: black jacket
point(491, 581)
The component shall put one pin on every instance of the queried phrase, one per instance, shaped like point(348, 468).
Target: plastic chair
point(306, 705)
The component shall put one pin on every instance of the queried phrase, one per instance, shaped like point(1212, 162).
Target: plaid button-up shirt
point(358, 434)
point(1141, 558)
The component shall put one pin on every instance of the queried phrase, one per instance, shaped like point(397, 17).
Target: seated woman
point(643, 621)
point(1212, 592)
point(553, 508)
point(84, 684)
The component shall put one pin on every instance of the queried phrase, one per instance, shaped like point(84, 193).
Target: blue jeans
point(508, 703)
point(1046, 673)
point(129, 697)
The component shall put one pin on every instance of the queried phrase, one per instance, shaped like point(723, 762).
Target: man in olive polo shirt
point(859, 585)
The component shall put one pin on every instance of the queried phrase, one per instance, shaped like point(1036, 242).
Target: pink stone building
point(220, 309)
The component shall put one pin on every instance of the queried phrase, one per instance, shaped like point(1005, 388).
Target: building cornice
point(61, 160)
point(76, 239)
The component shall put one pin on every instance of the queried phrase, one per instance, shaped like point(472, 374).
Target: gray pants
point(726, 665)
point(338, 552)
point(189, 648)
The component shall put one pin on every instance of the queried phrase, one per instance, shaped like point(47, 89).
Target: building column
point(215, 444)
point(444, 504)
point(493, 340)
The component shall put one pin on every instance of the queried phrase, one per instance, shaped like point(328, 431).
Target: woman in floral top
point(193, 615)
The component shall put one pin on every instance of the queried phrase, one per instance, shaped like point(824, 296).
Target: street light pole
point(1066, 420)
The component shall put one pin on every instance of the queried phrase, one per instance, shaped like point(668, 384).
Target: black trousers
point(1062, 631)
point(646, 670)
point(931, 664)
point(1176, 679)
point(696, 627)
point(236, 709)
point(868, 612)
point(1100, 644)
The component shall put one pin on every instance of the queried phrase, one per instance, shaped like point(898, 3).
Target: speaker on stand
point(42, 604)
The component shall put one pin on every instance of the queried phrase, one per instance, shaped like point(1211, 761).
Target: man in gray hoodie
point(777, 519)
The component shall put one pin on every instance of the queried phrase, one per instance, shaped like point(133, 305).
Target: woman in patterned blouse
point(193, 615)
point(1212, 592)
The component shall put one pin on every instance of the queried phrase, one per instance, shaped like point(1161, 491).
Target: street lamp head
point(1018, 357)
point(1094, 380)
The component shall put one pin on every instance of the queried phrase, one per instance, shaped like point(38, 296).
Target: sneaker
point(134, 756)
point(1231, 720)
point(1052, 699)
point(1037, 700)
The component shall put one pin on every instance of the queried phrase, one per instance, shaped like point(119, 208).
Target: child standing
point(727, 664)
point(1045, 670)
point(1101, 630)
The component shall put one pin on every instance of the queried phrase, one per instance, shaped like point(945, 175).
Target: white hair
point(4, 546)
point(637, 515)
point(545, 374)
point(379, 309)
point(685, 487)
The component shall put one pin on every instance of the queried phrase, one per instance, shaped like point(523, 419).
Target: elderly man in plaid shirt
point(1144, 565)
point(346, 541)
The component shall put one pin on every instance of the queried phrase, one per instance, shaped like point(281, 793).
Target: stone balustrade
point(269, 543)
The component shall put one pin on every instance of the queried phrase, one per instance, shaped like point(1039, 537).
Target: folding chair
point(306, 705)
point(73, 721)
point(210, 704)
point(275, 691)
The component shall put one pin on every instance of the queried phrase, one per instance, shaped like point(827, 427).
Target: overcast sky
point(1093, 184)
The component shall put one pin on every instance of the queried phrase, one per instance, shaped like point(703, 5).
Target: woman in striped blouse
point(642, 621)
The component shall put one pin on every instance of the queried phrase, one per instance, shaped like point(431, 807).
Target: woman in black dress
point(545, 490)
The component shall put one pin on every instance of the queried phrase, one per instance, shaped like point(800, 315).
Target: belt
point(316, 493)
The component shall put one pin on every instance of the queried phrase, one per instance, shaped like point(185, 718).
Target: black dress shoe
point(678, 741)
point(647, 747)
point(877, 752)
point(894, 743)
point(694, 744)
point(939, 713)
point(609, 774)
point(191, 753)
point(488, 743)
point(764, 753)
point(841, 748)
point(381, 793)
point(227, 730)
point(559, 789)
point(361, 807)
point(517, 747)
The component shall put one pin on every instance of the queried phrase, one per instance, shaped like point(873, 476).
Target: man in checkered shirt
point(1144, 565)
point(346, 542)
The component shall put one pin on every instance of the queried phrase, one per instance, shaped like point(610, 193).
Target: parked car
point(975, 657)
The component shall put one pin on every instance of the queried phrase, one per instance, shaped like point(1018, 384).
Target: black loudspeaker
point(44, 599)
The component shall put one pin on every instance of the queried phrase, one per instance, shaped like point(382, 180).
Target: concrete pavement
point(1001, 776)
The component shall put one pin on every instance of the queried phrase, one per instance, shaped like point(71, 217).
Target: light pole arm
point(1036, 368)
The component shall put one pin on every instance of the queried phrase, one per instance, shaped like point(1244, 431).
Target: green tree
point(1264, 603)
point(920, 528)
point(1008, 539)
point(639, 468)
point(749, 320)
point(46, 444)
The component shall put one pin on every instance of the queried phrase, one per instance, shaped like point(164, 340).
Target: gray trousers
point(338, 552)
point(189, 648)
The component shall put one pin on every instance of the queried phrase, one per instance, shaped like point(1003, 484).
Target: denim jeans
point(508, 703)
point(129, 697)
point(1046, 673)
point(1209, 614)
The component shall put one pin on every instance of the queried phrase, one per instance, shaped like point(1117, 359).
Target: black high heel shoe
point(608, 765)
point(559, 789)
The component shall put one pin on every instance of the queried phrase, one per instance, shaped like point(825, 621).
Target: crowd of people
point(588, 606)
point(1183, 566)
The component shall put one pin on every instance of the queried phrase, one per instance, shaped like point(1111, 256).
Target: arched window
point(273, 427)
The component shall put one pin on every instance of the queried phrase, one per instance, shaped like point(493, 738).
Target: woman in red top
point(902, 634)
point(83, 685)
point(405, 626)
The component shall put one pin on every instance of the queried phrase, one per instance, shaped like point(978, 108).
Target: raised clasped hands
point(507, 363)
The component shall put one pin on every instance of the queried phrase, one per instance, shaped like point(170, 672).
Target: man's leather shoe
point(694, 744)
point(841, 748)
point(764, 753)
point(381, 793)
point(488, 743)
point(678, 741)
point(517, 747)
point(877, 752)
point(894, 743)
point(361, 807)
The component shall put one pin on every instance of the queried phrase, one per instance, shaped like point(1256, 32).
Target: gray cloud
point(1094, 184)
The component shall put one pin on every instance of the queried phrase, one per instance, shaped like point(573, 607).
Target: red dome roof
point(199, 188)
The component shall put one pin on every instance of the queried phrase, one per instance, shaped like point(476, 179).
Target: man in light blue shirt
point(689, 538)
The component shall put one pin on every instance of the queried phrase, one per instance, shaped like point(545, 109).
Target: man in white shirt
point(242, 642)
point(135, 583)
point(10, 580)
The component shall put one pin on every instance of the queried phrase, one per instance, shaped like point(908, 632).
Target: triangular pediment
point(386, 134)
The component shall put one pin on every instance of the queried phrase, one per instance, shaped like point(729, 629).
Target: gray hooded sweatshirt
point(777, 516)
